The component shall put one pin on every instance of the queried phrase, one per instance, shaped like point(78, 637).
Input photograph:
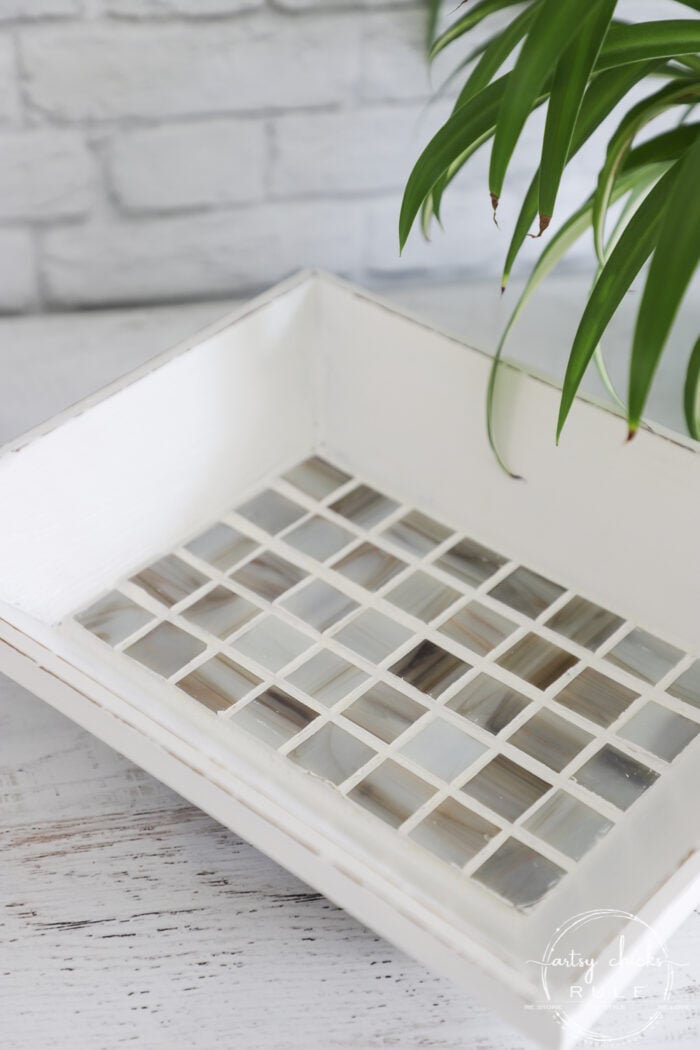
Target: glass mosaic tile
point(687, 686)
point(373, 635)
point(470, 562)
point(392, 793)
point(519, 874)
point(274, 716)
point(318, 538)
point(527, 592)
point(384, 711)
point(332, 753)
point(478, 628)
point(568, 825)
point(537, 661)
point(270, 511)
point(506, 788)
point(422, 596)
point(327, 678)
point(417, 533)
point(169, 580)
point(443, 750)
point(369, 566)
point(644, 655)
point(550, 739)
point(316, 477)
point(219, 683)
point(583, 622)
point(319, 604)
point(165, 649)
point(114, 617)
point(268, 575)
point(221, 612)
point(272, 643)
point(615, 777)
point(222, 546)
point(661, 732)
point(430, 668)
point(454, 832)
point(364, 506)
point(488, 703)
point(596, 697)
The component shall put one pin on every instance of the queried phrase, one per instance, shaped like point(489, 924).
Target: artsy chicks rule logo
point(606, 976)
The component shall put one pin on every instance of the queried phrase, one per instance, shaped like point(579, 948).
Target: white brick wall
point(154, 150)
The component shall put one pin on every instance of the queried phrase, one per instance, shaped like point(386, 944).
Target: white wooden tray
point(279, 569)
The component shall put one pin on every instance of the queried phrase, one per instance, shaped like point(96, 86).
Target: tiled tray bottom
point(499, 720)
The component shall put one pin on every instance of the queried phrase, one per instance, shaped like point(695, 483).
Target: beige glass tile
point(584, 622)
point(470, 562)
point(270, 511)
point(478, 628)
point(316, 477)
point(268, 575)
point(430, 668)
point(661, 732)
point(506, 788)
point(222, 546)
point(221, 612)
point(364, 506)
point(373, 635)
point(169, 580)
point(384, 711)
point(320, 605)
point(488, 703)
point(644, 655)
point(274, 717)
point(318, 538)
point(165, 649)
point(327, 678)
point(453, 832)
point(568, 825)
point(422, 596)
point(519, 874)
point(595, 696)
point(527, 592)
point(392, 793)
point(369, 566)
point(332, 753)
point(114, 617)
point(417, 533)
point(537, 661)
point(550, 739)
point(219, 683)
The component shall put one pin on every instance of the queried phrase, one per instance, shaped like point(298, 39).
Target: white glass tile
point(165, 649)
point(222, 546)
point(687, 686)
point(392, 793)
point(219, 683)
point(417, 533)
point(568, 825)
point(221, 612)
point(368, 566)
point(478, 628)
point(506, 788)
point(169, 580)
point(453, 832)
point(320, 605)
point(318, 538)
point(519, 874)
point(661, 732)
point(384, 711)
point(443, 749)
point(316, 477)
point(422, 596)
point(488, 703)
point(364, 506)
point(644, 655)
point(373, 635)
point(469, 562)
point(615, 777)
point(550, 739)
point(272, 643)
point(270, 511)
point(114, 617)
point(527, 592)
point(327, 678)
point(274, 717)
point(332, 753)
point(268, 575)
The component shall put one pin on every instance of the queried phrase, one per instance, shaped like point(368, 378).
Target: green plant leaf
point(691, 393)
point(495, 53)
point(669, 145)
point(431, 28)
point(645, 40)
point(675, 260)
point(571, 77)
point(477, 13)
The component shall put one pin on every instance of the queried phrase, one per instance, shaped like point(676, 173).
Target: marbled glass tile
point(320, 605)
point(615, 777)
point(169, 580)
point(568, 825)
point(488, 703)
point(417, 533)
point(644, 655)
point(430, 668)
point(318, 538)
point(661, 732)
point(165, 649)
point(595, 696)
point(537, 661)
point(364, 506)
point(219, 683)
point(369, 566)
point(443, 749)
point(270, 511)
point(316, 477)
point(527, 592)
point(384, 711)
point(274, 717)
point(506, 788)
point(478, 628)
point(114, 617)
point(222, 546)
point(327, 678)
point(550, 739)
point(519, 874)
point(422, 596)
point(469, 562)
point(687, 686)
point(269, 575)
point(373, 635)
point(272, 643)
point(221, 612)
point(332, 753)
point(392, 793)
point(583, 622)
point(453, 832)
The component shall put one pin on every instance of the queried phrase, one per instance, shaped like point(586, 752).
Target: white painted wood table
point(129, 918)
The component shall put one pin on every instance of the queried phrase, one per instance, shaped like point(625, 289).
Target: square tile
point(165, 649)
point(384, 711)
point(583, 622)
point(527, 592)
point(392, 793)
point(519, 874)
point(537, 661)
point(550, 739)
point(320, 605)
point(568, 825)
point(478, 628)
point(219, 683)
point(422, 596)
point(417, 533)
point(506, 788)
point(272, 643)
point(332, 753)
point(373, 635)
point(364, 506)
point(471, 563)
point(443, 749)
point(222, 547)
point(316, 477)
point(274, 717)
point(687, 686)
point(615, 777)
point(318, 538)
point(644, 655)
point(169, 580)
point(268, 575)
point(221, 612)
point(114, 617)
point(369, 566)
point(661, 732)
point(488, 703)
point(327, 678)
point(270, 511)
point(430, 668)
point(453, 832)
point(595, 696)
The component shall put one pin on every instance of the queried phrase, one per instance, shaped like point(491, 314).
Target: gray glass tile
point(327, 678)
point(332, 753)
point(453, 832)
point(550, 739)
point(316, 477)
point(270, 511)
point(644, 655)
point(568, 825)
point(506, 787)
point(583, 622)
point(169, 580)
point(423, 596)
point(527, 591)
point(478, 628)
point(269, 575)
point(274, 717)
point(373, 635)
point(537, 661)
point(488, 703)
point(221, 612)
point(615, 777)
point(519, 874)
point(443, 749)
point(320, 605)
point(369, 566)
point(663, 733)
point(417, 533)
point(272, 643)
point(222, 546)
point(429, 668)
point(687, 686)
point(318, 538)
point(114, 617)
point(595, 696)
point(219, 683)
point(165, 649)
point(384, 711)
point(471, 563)
point(364, 506)
point(392, 793)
